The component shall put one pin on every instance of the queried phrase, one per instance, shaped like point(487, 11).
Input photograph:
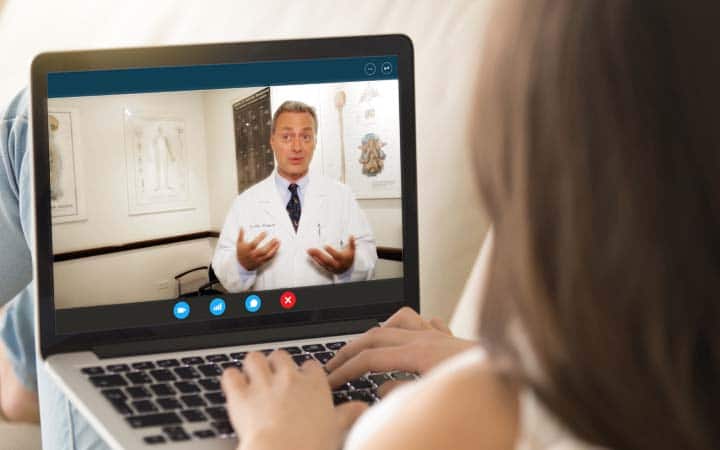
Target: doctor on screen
point(294, 228)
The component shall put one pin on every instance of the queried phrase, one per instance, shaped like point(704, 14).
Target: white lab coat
point(329, 215)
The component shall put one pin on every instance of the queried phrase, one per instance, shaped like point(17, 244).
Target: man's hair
point(599, 167)
point(293, 106)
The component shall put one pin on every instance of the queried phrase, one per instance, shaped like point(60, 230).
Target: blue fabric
point(16, 326)
point(63, 427)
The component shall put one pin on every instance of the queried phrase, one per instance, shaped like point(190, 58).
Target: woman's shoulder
point(463, 404)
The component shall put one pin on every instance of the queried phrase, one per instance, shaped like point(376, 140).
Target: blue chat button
point(253, 303)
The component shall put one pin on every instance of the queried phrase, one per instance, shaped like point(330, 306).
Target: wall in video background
point(190, 136)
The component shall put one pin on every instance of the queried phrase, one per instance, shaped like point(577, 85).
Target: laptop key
point(187, 387)
point(364, 396)
point(292, 350)
point(204, 434)
point(340, 397)
point(403, 376)
point(266, 351)
point(144, 406)
point(157, 439)
point(216, 398)
point(168, 403)
point(300, 359)
point(153, 420)
point(193, 360)
point(223, 427)
point(239, 356)
point(379, 378)
point(143, 365)
point(176, 433)
point(118, 368)
point(193, 415)
point(138, 378)
point(186, 373)
point(168, 363)
point(216, 358)
point(114, 394)
point(313, 348)
point(235, 364)
point(106, 381)
point(138, 392)
point(193, 401)
point(162, 375)
point(121, 407)
point(324, 357)
point(210, 370)
point(93, 370)
point(162, 390)
point(217, 413)
point(209, 384)
point(335, 345)
point(360, 383)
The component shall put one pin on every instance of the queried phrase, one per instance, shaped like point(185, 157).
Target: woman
point(598, 163)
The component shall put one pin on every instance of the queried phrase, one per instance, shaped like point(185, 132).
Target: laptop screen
point(248, 192)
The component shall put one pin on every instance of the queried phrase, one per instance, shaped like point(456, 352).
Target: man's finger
point(351, 243)
point(334, 253)
point(322, 259)
point(261, 252)
point(241, 235)
point(374, 338)
point(372, 360)
point(255, 242)
point(348, 413)
point(270, 254)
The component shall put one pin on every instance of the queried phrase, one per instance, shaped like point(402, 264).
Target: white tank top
point(538, 429)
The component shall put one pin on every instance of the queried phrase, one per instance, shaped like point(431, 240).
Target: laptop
point(139, 156)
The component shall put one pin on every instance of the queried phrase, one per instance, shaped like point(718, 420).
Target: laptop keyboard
point(183, 393)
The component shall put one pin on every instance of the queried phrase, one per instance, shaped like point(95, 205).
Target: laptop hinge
point(142, 347)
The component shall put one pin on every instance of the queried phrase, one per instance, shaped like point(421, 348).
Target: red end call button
point(287, 300)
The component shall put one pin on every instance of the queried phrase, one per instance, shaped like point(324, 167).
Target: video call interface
point(183, 194)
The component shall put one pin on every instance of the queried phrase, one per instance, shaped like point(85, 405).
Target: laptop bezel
point(361, 46)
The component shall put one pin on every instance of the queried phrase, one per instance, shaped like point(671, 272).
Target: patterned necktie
point(293, 206)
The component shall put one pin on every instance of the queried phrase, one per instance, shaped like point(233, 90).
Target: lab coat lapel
point(270, 201)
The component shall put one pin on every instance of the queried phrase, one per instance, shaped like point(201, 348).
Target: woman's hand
point(273, 404)
point(405, 342)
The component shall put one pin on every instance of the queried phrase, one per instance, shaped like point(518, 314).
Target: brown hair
point(600, 168)
point(294, 107)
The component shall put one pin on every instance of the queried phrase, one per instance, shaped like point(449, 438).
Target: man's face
point(293, 143)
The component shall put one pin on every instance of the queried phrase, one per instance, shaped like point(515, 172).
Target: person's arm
point(275, 405)
point(18, 382)
point(469, 409)
point(233, 276)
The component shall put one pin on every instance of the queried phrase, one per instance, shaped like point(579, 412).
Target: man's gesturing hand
point(250, 255)
point(334, 261)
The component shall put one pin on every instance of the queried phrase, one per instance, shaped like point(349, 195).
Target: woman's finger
point(372, 360)
point(408, 319)
point(373, 338)
point(281, 361)
point(257, 368)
